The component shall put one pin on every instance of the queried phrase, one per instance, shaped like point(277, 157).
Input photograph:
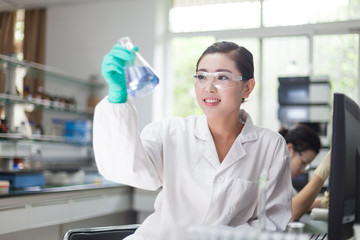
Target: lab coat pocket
point(243, 200)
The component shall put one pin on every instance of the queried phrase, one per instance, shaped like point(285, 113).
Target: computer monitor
point(344, 174)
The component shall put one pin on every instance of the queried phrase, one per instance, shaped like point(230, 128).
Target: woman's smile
point(211, 101)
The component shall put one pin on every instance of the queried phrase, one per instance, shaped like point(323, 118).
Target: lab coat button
point(220, 179)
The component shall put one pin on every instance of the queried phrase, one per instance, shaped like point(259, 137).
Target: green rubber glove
point(112, 69)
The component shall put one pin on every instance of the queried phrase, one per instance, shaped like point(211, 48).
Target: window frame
point(163, 58)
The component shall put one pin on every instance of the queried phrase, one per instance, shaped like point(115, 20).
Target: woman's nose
point(210, 86)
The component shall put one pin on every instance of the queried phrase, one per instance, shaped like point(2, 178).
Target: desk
point(41, 207)
point(314, 226)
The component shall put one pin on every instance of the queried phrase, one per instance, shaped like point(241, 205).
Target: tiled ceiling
point(6, 5)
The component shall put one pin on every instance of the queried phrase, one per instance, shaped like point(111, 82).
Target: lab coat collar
point(201, 130)
point(236, 152)
point(247, 134)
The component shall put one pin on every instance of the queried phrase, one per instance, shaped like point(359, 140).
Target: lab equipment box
point(23, 179)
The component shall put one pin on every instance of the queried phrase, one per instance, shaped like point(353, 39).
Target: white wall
point(79, 35)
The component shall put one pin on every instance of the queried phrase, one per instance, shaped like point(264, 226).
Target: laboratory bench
point(39, 207)
point(49, 211)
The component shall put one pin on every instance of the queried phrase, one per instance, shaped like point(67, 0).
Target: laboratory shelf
point(49, 73)
point(44, 149)
point(45, 104)
point(41, 138)
point(55, 189)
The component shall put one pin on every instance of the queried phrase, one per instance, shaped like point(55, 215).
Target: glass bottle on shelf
point(27, 93)
point(39, 94)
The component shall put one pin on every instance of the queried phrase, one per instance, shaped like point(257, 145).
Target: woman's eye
point(223, 77)
point(201, 77)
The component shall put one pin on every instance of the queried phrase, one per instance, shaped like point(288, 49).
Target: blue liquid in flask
point(140, 80)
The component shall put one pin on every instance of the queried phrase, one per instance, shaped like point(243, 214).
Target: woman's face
point(221, 102)
point(300, 160)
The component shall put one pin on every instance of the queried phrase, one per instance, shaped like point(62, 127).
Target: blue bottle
point(141, 79)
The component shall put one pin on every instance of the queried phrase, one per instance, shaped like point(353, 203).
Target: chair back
point(101, 233)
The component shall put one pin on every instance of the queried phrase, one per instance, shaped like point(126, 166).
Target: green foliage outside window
point(337, 57)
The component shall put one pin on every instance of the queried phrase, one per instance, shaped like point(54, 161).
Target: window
point(286, 37)
point(340, 54)
point(282, 56)
point(186, 52)
point(197, 15)
point(19, 33)
point(297, 12)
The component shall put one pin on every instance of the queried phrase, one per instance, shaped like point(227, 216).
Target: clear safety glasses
point(220, 80)
point(304, 162)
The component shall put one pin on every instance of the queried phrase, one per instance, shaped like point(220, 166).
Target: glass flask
point(141, 79)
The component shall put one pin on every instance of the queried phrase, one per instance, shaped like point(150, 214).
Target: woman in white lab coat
point(208, 166)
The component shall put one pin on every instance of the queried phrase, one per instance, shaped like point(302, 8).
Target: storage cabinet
point(64, 138)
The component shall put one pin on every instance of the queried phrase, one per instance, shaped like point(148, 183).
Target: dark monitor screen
point(343, 181)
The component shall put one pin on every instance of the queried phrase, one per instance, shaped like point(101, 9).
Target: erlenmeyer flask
point(141, 79)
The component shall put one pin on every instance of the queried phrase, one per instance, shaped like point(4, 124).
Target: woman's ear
point(249, 87)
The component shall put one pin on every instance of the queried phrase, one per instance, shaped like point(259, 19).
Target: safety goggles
point(304, 162)
point(220, 80)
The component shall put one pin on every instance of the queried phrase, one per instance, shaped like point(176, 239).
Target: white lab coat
point(179, 155)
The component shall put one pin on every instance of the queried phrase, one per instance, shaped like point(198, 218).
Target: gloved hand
point(323, 170)
point(112, 69)
point(325, 200)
